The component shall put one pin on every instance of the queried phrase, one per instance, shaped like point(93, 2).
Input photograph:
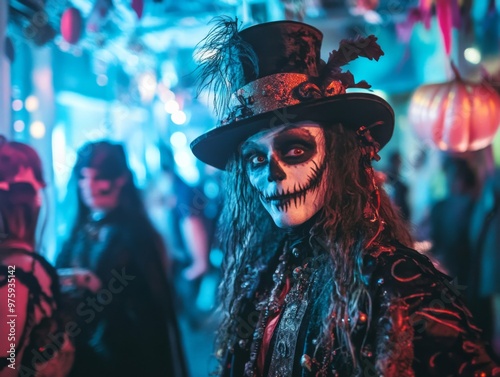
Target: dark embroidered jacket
point(419, 327)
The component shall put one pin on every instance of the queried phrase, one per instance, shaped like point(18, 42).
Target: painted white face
point(287, 167)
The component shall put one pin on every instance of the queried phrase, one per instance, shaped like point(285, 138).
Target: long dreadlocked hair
point(248, 236)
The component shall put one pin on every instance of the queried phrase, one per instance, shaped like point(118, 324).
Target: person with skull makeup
point(318, 275)
point(127, 323)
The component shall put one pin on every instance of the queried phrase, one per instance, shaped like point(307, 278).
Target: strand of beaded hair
point(369, 150)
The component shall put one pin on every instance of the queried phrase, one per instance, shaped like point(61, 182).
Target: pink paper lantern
point(71, 25)
point(456, 116)
point(365, 5)
point(138, 7)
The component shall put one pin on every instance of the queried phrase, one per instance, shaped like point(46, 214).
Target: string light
point(171, 106)
point(178, 139)
point(31, 103)
point(19, 126)
point(102, 80)
point(472, 55)
point(17, 105)
point(179, 117)
point(37, 129)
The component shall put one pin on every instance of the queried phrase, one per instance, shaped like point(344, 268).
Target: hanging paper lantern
point(456, 116)
point(366, 9)
point(138, 7)
point(71, 25)
point(363, 5)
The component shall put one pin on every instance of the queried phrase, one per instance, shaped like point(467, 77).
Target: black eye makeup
point(295, 146)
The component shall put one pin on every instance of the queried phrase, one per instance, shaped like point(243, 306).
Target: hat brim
point(353, 110)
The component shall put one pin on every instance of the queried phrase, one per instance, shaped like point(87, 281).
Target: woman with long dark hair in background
point(128, 324)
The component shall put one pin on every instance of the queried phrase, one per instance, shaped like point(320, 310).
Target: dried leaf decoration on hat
point(221, 53)
point(349, 50)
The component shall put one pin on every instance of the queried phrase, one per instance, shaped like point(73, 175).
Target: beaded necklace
point(303, 275)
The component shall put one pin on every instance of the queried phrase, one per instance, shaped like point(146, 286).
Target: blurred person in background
point(483, 285)
point(187, 205)
point(33, 339)
point(179, 211)
point(127, 321)
point(450, 219)
point(396, 188)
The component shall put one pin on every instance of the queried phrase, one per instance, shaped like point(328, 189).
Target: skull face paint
point(286, 166)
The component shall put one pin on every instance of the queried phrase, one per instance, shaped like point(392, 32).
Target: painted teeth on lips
point(282, 196)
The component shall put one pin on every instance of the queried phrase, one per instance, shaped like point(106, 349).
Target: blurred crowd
point(132, 271)
point(459, 231)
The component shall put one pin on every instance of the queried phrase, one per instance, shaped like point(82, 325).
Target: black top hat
point(279, 78)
